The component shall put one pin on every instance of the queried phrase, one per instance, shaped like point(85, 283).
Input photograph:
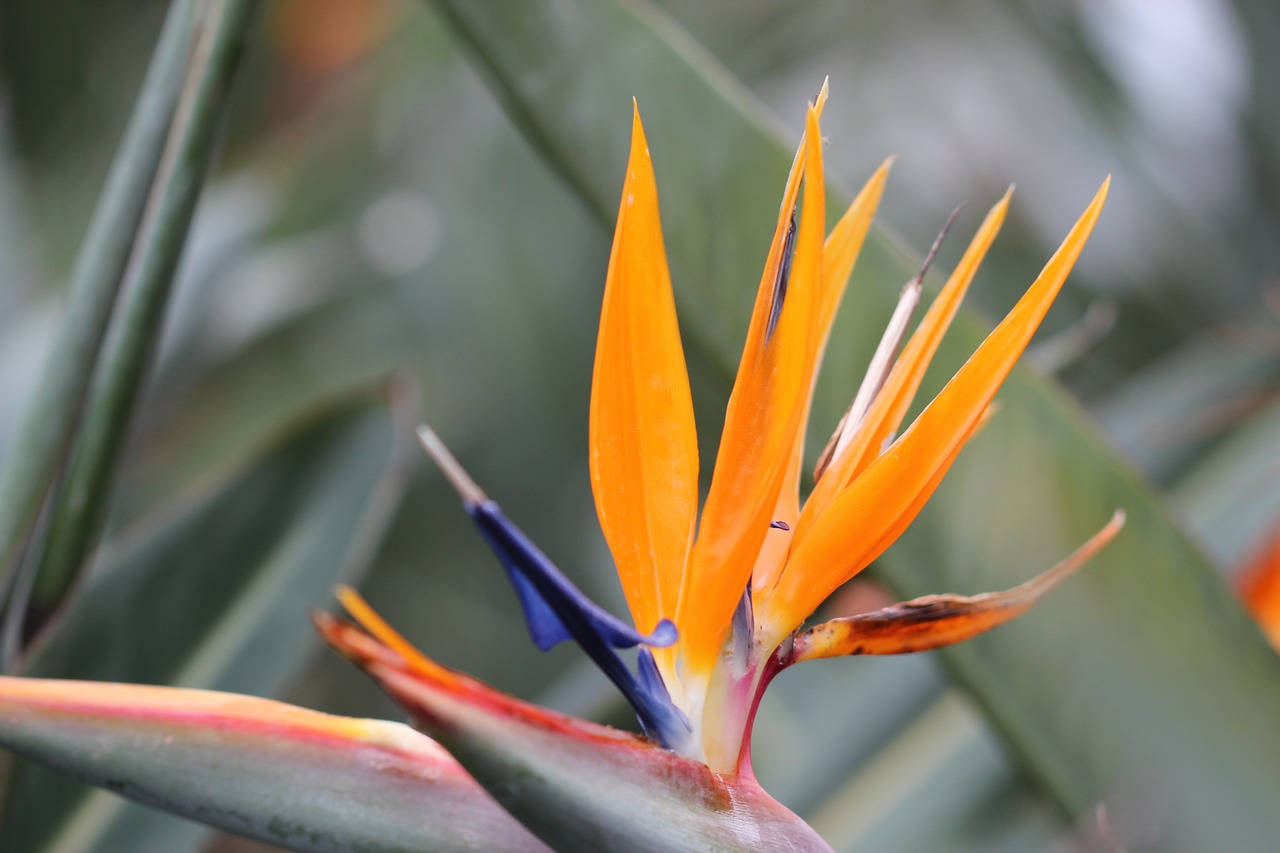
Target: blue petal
point(545, 626)
point(556, 610)
point(542, 578)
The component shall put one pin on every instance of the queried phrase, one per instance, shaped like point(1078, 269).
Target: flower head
point(719, 598)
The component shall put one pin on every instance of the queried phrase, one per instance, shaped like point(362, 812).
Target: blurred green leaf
point(905, 765)
point(80, 505)
point(296, 778)
point(214, 593)
point(1169, 415)
point(1230, 497)
point(924, 787)
point(1167, 689)
point(37, 453)
point(238, 407)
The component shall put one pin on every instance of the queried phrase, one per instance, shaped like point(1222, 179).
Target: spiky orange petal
point(874, 510)
point(839, 254)
point(643, 447)
point(761, 422)
point(891, 404)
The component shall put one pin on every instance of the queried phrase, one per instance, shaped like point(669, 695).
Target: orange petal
point(891, 404)
point(761, 423)
point(874, 510)
point(1260, 588)
point(935, 621)
point(839, 254)
point(644, 451)
point(405, 654)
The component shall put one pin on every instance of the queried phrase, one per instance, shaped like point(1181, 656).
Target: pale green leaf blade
point(295, 778)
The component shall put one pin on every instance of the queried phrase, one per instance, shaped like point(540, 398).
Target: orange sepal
point(891, 404)
point(643, 446)
point(839, 254)
point(761, 422)
point(874, 510)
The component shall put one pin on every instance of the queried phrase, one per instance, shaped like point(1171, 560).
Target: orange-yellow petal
point(874, 510)
point(761, 422)
point(839, 254)
point(891, 404)
point(643, 448)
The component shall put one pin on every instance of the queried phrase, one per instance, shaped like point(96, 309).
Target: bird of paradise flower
point(718, 601)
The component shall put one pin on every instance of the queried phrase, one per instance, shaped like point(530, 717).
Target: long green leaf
point(46, 430)
point(80, 505)
point(1139, 677)
point(229, 614)
point(295, 778)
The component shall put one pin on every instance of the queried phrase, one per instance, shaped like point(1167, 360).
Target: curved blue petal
point(545, 627)
point(541, 576)
point(556, 610)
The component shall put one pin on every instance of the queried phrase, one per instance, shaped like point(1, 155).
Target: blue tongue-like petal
point(546, 594)
point(545, 626)
point(556, 610)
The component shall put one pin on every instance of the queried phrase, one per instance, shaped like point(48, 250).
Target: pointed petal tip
point(1100, 197)
point(351, 601)
point(937, 244)
point(451, 468)
point(1118, 519)
point(1046, 581)
point(639, 142)
point(346, 638)
point(812, 116)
